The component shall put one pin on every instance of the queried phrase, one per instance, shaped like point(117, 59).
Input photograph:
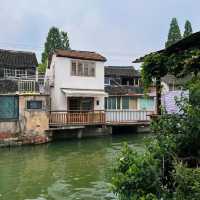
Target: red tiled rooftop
point(84, 55)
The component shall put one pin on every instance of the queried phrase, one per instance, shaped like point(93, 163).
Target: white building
point(76, 81)
point(172, 89)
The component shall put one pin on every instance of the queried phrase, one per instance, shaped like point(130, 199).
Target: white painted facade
point(60, 78)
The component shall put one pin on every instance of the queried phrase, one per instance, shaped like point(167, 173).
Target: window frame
point(89, 65)
point(35, 109)
point(16, 73)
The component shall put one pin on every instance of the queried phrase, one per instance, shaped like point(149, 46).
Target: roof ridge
point(17, 51)
point(76, 50)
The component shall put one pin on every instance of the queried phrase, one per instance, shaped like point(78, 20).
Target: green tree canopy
point(56, 39)
point(174, 33)
point(188, 29)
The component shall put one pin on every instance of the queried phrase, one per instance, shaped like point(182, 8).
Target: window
point(80, 104)
point(73, 71)
point(83, 68)
point(80, 69)
point(107, 81)
point(34, 105)
point(8, 72)
point(147, 103)
point(91, 71)
point(113, 103)
point(125, 102)
point(20, 72)
point(86, 69)
point(136, 81)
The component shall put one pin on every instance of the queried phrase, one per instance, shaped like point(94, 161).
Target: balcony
point(26, 85)
point(70, 118)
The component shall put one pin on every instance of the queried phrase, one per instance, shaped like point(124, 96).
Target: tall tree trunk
point(158, 95)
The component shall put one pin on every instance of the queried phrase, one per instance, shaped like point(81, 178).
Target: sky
point(121, 30)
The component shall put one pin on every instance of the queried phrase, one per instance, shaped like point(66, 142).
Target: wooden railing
point(62, 118)
point(127, 116)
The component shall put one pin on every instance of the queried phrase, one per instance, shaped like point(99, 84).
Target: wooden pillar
point(158, 95)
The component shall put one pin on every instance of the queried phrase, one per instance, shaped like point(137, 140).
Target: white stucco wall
point(165, 87)
point(60, 74)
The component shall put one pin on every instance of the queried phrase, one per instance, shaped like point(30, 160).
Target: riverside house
point(126, 101)
point(23, 105)
point(76, 80)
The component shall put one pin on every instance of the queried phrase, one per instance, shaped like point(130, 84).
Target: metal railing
point(127, 116)
point(28, 86)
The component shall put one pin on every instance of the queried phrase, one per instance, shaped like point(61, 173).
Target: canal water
point(74, 169)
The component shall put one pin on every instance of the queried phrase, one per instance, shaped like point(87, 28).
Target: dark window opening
point(34, 104)
point(81, 104)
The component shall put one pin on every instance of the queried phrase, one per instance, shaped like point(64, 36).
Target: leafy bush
point(154, 175)
point(187, 182)
point(136, 176)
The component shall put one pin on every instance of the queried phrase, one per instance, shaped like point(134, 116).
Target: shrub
point(187, 182)
point(136, 176)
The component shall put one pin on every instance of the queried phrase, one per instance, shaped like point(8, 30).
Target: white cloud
point(121, 30)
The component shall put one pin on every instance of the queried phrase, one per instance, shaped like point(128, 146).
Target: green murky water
point(75, 169)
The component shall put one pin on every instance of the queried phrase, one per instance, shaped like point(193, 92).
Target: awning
point(84, 93)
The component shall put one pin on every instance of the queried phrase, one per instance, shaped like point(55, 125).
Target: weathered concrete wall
point(33, 121)
point(89, 131)
point(9, 127)
point(30, 122)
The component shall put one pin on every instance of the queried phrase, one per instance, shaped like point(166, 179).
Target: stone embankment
point(11, 140)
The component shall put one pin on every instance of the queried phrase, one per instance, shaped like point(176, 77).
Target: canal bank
point(72, 169)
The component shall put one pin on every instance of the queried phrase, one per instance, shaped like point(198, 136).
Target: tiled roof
point(118, 71)
point(17, 59)
point(84, 55)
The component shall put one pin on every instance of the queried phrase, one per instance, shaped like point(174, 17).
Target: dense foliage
point(174, 33)
point(180, 64)
point(168, 168)
point(188, 29)
point(56, 39)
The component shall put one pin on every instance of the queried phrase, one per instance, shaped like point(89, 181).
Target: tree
point(174, 33)
point(188, 29)
point(56, 39)
point(65, 40)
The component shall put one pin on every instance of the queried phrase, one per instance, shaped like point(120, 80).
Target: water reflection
point(62, 170)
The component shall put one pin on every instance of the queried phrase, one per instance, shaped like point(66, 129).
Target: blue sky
point(119, 29)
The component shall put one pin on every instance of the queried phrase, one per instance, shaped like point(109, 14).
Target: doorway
point(81, 104)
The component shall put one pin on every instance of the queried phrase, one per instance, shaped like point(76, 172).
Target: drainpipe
point(158, 95)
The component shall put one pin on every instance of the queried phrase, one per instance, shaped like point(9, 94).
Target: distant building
point(17, 64)
point(124, 86)
point(171, 83)
point(173, 88)
point(24, 110)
